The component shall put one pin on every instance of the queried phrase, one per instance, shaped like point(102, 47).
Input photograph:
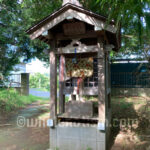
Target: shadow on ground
point(130, 124)
point(33, 137)
point(122, 111)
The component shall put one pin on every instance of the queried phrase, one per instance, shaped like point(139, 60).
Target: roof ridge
point(74, 2)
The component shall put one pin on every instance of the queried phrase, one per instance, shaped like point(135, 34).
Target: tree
point(18, 15)
point(8, 13)
point(14, 43)
point(39, 81)
point(132, 15)
point(134, 18)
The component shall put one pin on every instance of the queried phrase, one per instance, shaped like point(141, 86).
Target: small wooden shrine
point(80, 42)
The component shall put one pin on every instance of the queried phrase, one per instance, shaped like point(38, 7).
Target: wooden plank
point(43, 38)
point(81, 48)
point(76, 28)
point(53, 84)
point(61, 85)
point(65, 116)
point(88, 34)
point(74, 14)
point(101, 83)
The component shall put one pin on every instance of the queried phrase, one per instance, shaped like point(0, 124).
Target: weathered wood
point(76, 28)
point(98, 24)
point(53, 84)
point(65, 116)
point(25, 83)
point(81, 48)
point(106, 69)
point(101, 83)
point(44, 39)
point(61, 85)
point(88, 34)
point(108, 48)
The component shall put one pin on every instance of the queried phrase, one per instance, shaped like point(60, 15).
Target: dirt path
point(18, 134)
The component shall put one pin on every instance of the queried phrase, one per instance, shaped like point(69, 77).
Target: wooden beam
point(108, 49)
point(40, 37)
point(50, 35)
point(44, 39)
point(81, 48)
point(88, 34)
point(101, 83)
point(61, 85)
point(53, 83)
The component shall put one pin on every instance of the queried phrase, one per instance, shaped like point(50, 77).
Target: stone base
point(76, 136)
point(79, 109)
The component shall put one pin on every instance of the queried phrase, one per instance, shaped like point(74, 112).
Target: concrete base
point(76, 136)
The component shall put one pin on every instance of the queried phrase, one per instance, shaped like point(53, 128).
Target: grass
point(10, 100)
point(122, 108)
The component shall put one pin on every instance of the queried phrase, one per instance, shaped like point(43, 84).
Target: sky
point(36, 66)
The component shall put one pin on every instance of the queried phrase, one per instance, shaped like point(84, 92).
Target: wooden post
point(101, 83)
point(25, 83)
point(53, 84)
point(61, 85)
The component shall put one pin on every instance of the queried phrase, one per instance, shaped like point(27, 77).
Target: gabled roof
point(74, 11)
point(61, 10)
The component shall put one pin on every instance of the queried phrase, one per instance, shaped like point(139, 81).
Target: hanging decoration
point(84, 67)
point(79, 68)
point(74, 60)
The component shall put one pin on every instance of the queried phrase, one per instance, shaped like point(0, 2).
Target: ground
point(136, 137)
point(15, 137)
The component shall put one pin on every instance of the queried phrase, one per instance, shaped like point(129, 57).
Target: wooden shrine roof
point(36, 30)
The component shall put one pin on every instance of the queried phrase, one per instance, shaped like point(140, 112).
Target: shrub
point(11, 100)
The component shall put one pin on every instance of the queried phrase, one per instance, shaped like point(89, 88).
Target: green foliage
point(8, 33)
point(88, 149)
point(121, 105)
point(134, 19)
point(40, 81)
point(35, 10)
point(11, 100)
point(17, 16)
point(14, 43)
